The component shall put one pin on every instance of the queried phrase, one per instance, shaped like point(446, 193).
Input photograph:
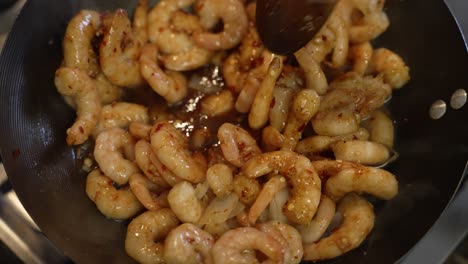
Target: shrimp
point(260, 109)
point(304, 107)
point(219, 177)
point(276, 206)
point(121, 46)
point(217, 104)
point(369, 27)
point(285, 90)
point(237, 145)
point(76, 84)
point(77, 49)
point(345, 177)
point(361, 54)
point(361, 151)
point(200, 138)
point(139, 130)
point(149, 194)
point(247, 189)
point(116, 204)
point(78, 53)
point(332, 37)
point(351, 98)
point(121, 114)
point(152, 167)
point(381, 129)
point(144, 232)
point(358, 221)
point(170, 85)
point(171, 148)
point(234, 17)
point(237, 66)
point(108, 154)
point(184, 202)
point(394, 70)
point(315, 229)
point(315, 77)
point(231, 247)
point(315, 144)
point(188, 244)
point(266, 195)
point(272, 138)
point(301, 175)
point(289, 239)
point(172, 30)
point(252, 82)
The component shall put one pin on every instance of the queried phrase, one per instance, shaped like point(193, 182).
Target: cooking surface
point(22, 237)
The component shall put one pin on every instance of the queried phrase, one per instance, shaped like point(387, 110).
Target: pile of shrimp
point(285, 176)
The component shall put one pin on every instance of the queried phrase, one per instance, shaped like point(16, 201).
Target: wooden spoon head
point(287, 25)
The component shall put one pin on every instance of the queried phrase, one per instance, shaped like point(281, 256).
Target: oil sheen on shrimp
point(344, 177)
point(301, 175)
point(237, 145)
point(171, 148)
point(111, 147)
point(79, 86)
point(234, 17)
point(358, 221)
point(144, 241)
point(231, 247)
point(187, 244)
point(116, 204)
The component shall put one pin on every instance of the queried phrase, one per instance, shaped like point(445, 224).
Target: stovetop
point(21, 241)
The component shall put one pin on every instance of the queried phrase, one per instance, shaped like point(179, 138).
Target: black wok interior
point(46, 175)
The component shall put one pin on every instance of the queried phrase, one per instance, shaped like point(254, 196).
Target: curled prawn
point(304, 107)
point(231, 246)
point(116, 204)
point(188, 244)
point(139, 130)
point(351, 98)
point(120, 115)
point(79, 86)
point(172, 31)
point(77, 49)
point(121, 46)
point(110, 146)
point(289, 239)
point(149, 194)
point(361, 151)
point(234, 17)
point(237, 145)
point(151, 166)
point(301, 175)
point(171, 148)
point(219, 177)
point(266, 195)
point(217, 104)
point(259, 112)
point(361, 54)
point(170, 85)
point(78, 53)
point(391, 65)
point(144, 233)
point(247, 189)
point(315, 144)
point(315, 229)
point(358, 221)
point(184, 202)
point(344, 177)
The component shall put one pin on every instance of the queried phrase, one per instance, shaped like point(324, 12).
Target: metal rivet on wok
point(458, 99)
point(438, 109)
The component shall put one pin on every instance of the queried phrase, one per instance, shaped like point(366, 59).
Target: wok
point(45, 172)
